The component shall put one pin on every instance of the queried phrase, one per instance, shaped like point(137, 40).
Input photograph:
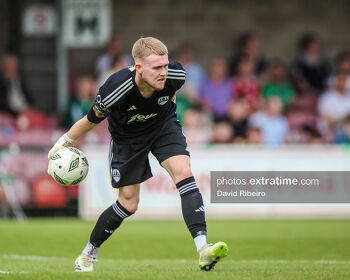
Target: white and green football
point(68, 166)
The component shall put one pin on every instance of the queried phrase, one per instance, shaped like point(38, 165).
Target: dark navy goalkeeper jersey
point(129, 113)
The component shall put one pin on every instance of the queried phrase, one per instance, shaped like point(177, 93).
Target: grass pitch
point(258, 249)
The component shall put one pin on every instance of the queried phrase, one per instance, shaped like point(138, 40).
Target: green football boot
point(84, 263)
point(211, 254)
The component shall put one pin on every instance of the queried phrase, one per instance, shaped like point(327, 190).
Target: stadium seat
point(47, 193)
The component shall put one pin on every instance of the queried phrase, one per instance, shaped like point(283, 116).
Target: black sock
point(192, 207)
point(108, 222)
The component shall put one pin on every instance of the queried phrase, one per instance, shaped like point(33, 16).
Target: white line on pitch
point(44, 258)
point(31, 258)
point(10, 272)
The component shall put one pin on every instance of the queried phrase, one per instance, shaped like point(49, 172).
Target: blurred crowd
point(251, 99)
point(245, 98)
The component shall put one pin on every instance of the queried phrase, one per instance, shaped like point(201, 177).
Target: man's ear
point(138, 68)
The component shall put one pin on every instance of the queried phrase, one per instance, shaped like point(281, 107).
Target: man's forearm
point(80, 128)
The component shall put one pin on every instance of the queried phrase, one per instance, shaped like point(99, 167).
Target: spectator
point(277, 83)
point(342, 134)
point(14, 95)
point(196, 127)
point(305, 98)
point(115, 48)
point(217, 90)
point(238, 114)
point(222, 133)
point(302, 114)
point(117, 64)
point(254, 135)
point(334, 105)
point(194, 72)
point(81, 102)
point(342, 64)
point(248, 46)
point(4, 206)
point(310, 64)
point(245, 84)
point(271, 122)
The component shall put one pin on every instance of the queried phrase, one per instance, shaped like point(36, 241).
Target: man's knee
point(129, 204)
point(129, 197)
point(182, 173)
point(178, 167)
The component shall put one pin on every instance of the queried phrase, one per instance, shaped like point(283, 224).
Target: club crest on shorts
point(116, 175)
point(162, 100)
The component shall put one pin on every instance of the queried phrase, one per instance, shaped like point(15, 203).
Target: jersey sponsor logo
point(100, 103)
point(141, 118)
point(116, 175)
point(133, 107)
point(99, 108)
point(162, 100)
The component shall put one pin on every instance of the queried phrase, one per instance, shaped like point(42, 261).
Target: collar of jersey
point(138, 91)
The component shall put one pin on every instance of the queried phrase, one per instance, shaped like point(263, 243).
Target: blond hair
point(146, 46)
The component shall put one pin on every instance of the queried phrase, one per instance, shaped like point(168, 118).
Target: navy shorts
point(129, 162)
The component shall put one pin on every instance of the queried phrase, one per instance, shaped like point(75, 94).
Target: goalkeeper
point(139, 104)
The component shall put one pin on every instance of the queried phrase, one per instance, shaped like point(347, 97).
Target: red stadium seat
point(47, 193)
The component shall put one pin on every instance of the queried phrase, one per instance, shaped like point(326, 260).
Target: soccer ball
point(68, 166)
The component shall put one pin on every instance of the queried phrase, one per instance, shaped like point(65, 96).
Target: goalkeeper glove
point(64, 141)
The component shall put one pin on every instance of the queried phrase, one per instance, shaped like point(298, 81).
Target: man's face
point(154, 70)
point(10, 67)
